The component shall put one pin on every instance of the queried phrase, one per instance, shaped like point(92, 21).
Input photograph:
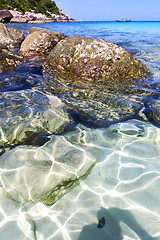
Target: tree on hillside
point(42, 6)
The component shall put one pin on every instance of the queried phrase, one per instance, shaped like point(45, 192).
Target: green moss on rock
point(94, 59)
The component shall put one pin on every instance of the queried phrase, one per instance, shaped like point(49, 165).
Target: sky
point(105, 10)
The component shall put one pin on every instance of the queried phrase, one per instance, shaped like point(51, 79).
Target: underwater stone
point(8, 61)
point(46, 173)
point(26, 114)
point(152, 111)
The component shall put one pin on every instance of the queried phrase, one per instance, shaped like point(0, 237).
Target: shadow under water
point(112, 225)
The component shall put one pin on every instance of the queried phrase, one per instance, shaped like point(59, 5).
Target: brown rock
point(17, 35)
point(10, 37)
point(85, 58)
point(6, 39)
point(5, 15)
point(8, 61)
point(40, 42)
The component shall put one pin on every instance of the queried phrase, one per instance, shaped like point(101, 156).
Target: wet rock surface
point(9, 61)
point(97, 101)
point(96, 77)
point(94, 59)
point(48, 172)
point(27, 116)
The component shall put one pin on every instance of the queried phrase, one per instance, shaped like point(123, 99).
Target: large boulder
point(5, 15)
point(10, 37)
point(93, 59)
point(98, 78)
point(6, 39)
point(40, 42)
point(17, 36)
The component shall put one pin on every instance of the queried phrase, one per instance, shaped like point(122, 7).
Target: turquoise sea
point(120, 197)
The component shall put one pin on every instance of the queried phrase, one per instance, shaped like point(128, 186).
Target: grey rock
point(97, 78)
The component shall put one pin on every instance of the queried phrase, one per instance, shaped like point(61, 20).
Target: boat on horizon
point(122, 20)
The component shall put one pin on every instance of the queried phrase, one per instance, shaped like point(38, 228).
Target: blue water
point(120, 197)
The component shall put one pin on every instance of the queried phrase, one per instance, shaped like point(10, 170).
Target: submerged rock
point(115, 102)
point(152, 111)
point(46, 173)
point(93, 59)
point(8, 61)
point(40, 42)
point(26, 116)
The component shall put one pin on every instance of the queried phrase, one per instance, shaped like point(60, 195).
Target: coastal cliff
point(29, 11)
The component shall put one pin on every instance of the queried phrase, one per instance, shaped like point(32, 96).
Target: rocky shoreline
point(14, 16)
point(81, 82)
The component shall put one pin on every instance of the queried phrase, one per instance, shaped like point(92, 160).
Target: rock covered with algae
point(28, 114)
point(9, 61)
point(97, 77)
point(94, 59)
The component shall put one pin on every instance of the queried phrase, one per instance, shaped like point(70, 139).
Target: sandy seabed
point(118, 200)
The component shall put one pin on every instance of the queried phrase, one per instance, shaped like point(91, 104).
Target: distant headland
point(31, 11)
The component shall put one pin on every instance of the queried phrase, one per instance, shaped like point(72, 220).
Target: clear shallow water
point(122, 191)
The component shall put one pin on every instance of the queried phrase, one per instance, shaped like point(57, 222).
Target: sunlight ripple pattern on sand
point(122, 188)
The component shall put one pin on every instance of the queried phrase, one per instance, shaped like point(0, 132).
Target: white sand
point(123, 188)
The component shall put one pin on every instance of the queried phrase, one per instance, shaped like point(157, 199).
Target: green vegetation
point(40, 6)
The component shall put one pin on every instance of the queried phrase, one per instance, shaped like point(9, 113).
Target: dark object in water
point(126, 20)
point(101, 222)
